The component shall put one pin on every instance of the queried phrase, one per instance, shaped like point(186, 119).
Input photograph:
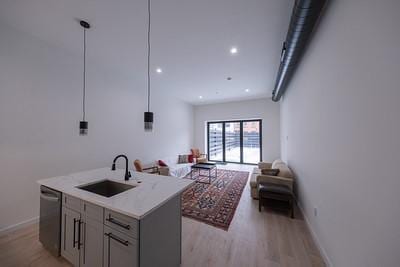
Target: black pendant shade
point(148, 121)
point(83, 127)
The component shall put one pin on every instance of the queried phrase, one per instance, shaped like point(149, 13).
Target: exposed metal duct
point(304, 19)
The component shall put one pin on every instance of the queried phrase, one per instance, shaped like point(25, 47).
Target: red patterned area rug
point(214, 203)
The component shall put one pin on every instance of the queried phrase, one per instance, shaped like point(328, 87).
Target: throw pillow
point(190, 158)
point(162, 163)
point(183, 159)
point(271, 172)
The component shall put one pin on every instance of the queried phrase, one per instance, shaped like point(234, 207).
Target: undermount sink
point(106, 188)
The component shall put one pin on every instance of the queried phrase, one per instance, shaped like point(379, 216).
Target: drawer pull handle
point(114, 221)
point(79, 234)
point(74, 239)
point(116, 238)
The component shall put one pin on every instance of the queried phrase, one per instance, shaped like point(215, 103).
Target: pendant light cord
point(84, 73)
point(148, 55)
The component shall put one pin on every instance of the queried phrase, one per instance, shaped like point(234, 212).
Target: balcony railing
point(232, 140)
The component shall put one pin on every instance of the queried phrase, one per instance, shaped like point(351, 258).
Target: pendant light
point(83, 124)
point(148, 116)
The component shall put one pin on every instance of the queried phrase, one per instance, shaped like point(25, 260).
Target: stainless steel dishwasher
point(50, 219)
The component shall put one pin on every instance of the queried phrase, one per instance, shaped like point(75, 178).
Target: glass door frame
point(241, 139)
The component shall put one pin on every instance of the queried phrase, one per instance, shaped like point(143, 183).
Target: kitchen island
point(137, 227)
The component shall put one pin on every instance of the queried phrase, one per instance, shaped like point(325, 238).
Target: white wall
point(263, 109)
point(40, 108)
point(341, 117)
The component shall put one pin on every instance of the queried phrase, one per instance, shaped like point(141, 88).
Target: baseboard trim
point(19, 225)
point(315, 237)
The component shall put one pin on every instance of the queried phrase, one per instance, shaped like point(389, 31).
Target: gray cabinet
point(69, 235)
point(82, 232)
point(120, 250)
point(91, 254)
point(93, 236)
point(92, 243)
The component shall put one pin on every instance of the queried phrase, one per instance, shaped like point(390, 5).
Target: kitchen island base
point(96, 236)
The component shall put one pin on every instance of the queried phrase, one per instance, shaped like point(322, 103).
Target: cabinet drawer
point(72, 202)
point(92, 211)
point(122, 223)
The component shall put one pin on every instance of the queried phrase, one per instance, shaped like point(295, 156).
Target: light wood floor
point(266, 239)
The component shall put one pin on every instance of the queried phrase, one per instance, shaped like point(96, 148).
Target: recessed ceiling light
point(247, 90)
point(234, 50)
point(159, 70)
point(201, 97)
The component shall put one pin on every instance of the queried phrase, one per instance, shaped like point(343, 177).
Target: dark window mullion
point(223, 142)
point(241, 142)
point(208, 141)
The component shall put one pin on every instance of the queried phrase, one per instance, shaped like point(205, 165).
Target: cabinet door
point(69, 235)
point(92, 240)
point(119, 249)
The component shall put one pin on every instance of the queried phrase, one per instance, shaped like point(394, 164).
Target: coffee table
point(207, 166)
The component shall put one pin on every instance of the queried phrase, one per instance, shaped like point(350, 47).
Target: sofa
point(174, 168)
point(284, 177)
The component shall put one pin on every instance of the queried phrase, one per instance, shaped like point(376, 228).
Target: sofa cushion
point(272, 172)
point(284, 170)
point(264, 165)
point(276, 163)
point(180, 170)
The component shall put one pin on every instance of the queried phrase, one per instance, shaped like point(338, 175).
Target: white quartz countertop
point(152, 192)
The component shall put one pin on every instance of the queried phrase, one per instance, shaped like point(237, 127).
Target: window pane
point(251, 142)
point(232, 141)
point(215, 141)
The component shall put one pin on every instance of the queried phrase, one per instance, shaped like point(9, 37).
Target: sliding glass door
point(235, 141)
point(232, 142)
point(252, 142)
point(215, 141)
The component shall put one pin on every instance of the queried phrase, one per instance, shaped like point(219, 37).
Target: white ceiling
point(191, 40)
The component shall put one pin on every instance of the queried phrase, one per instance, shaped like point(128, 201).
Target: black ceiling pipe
point(304, 19)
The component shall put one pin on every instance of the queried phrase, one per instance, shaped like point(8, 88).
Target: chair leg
point(259, 204)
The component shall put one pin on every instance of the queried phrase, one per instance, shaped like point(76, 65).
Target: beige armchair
point(284, 177)
point(198, 156)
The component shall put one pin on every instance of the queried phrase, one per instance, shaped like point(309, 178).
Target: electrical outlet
point(315, 211)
